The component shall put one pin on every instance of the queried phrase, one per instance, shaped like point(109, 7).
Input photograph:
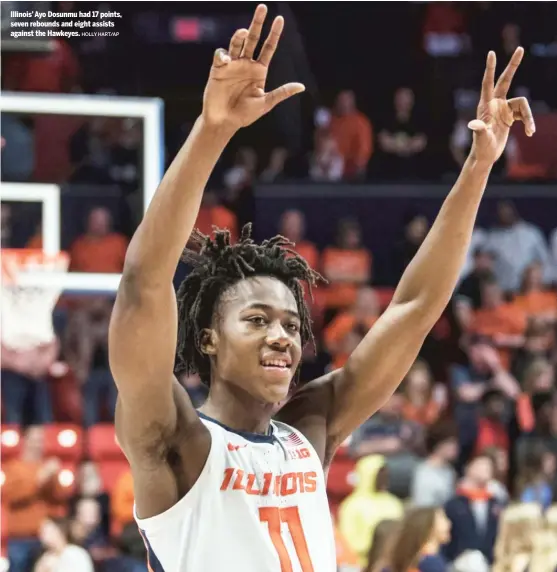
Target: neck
point(238, 410)
point(432, 547)
point(403, 115)
point(436, 460)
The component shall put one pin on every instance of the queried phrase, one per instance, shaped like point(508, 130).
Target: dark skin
point(158, 428)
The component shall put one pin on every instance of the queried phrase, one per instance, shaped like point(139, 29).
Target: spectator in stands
point(473, 512)
point(212, 213)
point(24, 373)
point(368, 505)
point(87, 529)
point(420, 403)
point(477, 242)
point(326, 163)
point(352, 132)
point(242, 173)
point(274, 171)
point(121, 503)
point(498, 485)
point(60, 552)
point(349, 327)
point(416, 227)
point(469, 291)
point(100, 249)
point(401, 442)
point(382, 537)
point(402, 140)
point(32, 491)
point(346, 265)
point(504, 324)
point(536, 471)
point(18, 158)
point(417, 542)
point(539, 345)
point(492, 426)
point(516, 244)
point(434, 480)
point(537, 302)
point(544, 432)
point(56, 71)
point(292, 226)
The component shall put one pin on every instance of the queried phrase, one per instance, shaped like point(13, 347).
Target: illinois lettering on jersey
point(259, 505)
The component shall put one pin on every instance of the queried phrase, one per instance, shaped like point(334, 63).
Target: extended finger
point(221, 58)
point(271, 43)
point(489, 78)
point(237, 43)
point(504, 82)
point(521, 111)
point(281, 93)
point(254, 32)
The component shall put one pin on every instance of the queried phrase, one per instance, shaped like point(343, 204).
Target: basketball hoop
point(29, 294)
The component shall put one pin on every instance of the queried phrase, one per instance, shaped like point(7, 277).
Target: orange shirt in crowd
point(491, 434)
point(121, 503)
point(308, 251)
point(345, 556)
point(27, 502)
point(425, 414)
point(538, 304)
point(337, 331)
point(218, 216)
point(99, 254)
point(345, 269)
point(353, 136)
point(506, 319)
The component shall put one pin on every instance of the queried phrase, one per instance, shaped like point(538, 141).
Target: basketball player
point(229, 487)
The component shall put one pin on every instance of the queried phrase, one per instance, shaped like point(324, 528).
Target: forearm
point(433, 273)
point(159, 241)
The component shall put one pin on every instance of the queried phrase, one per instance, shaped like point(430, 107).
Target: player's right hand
point(235, 93)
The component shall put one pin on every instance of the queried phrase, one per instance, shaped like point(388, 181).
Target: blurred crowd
point(459, 467)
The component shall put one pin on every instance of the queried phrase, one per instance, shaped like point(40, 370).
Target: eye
point(257, 320)
point(293, 327)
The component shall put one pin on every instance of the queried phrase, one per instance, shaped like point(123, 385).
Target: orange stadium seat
point(10, 442)
point(110, 472)
point(64, 441)
point(102, 444)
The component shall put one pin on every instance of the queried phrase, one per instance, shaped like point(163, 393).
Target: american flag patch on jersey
point(292, 439)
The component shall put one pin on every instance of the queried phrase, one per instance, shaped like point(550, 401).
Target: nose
point(277, 336)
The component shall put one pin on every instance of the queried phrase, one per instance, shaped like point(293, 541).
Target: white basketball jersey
point(259, 505)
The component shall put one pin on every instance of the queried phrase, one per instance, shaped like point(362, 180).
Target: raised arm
point(374, 370)
point(143, 329)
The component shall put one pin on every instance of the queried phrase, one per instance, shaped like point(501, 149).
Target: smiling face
point(255, 342)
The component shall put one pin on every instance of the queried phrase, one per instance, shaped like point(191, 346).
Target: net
point(28, 300)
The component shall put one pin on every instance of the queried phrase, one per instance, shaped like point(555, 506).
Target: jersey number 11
point(274, 516)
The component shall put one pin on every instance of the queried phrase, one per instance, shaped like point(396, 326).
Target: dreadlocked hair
point(216, 266)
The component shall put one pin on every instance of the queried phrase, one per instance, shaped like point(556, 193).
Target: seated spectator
point(292, 226)
point(498, 485)
point(538, 347)
point(86, 528)
point(417, 542)
point(348, 328)
point(368, 505)
point(100, 249)
point(537, 302)
point(346, 265)
point(352, 132)
point(533, 482)
point(382, 536)
point(24, 384)
point(501, 322)
point(401, 442)
point(121, 503)
point(60, 552)
point(274, 171)
point(468, 297)
point(31, 492)
point(434, 480)
point(212, 214)
point(402, 140)
point(492, 426)
point(242, 172)
point(416, 228)
point(420, 405)
point(516, 244)
point(326, 163)
point(473, 512)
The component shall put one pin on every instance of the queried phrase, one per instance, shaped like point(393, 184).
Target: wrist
point(219, 130)
point(478, 163)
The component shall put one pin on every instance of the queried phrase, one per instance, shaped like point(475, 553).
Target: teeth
point(275, 363)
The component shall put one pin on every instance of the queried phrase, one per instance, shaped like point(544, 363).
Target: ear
point(209, 341)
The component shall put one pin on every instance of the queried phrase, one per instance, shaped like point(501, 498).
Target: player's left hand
point(496, 113)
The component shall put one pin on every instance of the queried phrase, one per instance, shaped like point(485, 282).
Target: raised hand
point(496, 114)
point(235, 93)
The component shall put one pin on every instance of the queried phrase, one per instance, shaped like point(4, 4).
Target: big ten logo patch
point(268, 483)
